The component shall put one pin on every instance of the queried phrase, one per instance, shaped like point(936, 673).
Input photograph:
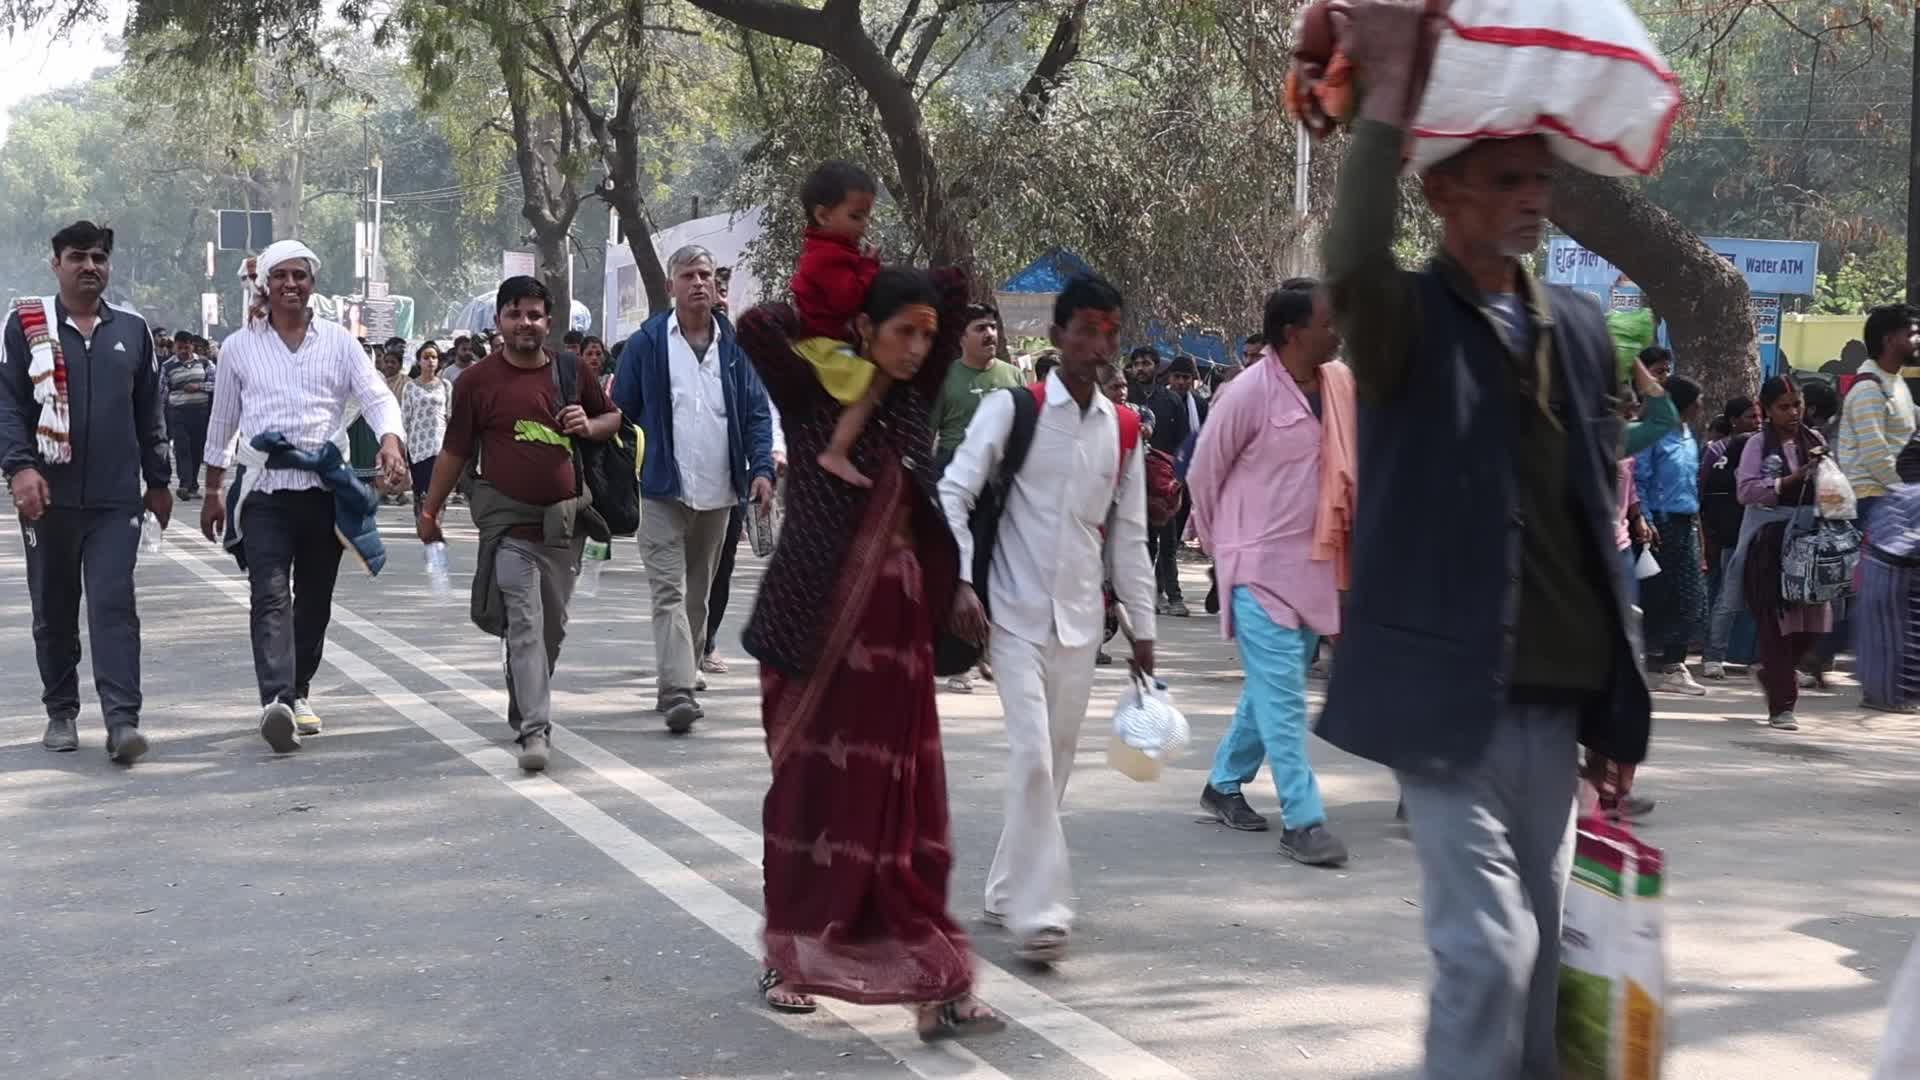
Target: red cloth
point(830, 284)
point(858, 849)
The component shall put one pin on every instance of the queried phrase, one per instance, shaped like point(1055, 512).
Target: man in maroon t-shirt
point(509, 407)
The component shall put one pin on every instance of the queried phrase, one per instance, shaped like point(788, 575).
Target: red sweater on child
point(830, 284)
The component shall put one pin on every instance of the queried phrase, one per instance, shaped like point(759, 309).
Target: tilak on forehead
point(921, 315)
point(1105, 322)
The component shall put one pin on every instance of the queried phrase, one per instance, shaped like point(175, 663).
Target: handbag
point(1816, 565)
point(1612, 1022)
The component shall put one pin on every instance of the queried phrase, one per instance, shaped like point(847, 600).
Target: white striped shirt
point(309, 395)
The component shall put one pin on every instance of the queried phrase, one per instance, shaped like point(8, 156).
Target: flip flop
point(784, 1001)
point(950, 1023)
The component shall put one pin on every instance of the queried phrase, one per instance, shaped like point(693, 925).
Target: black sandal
point(951, 1023)
point(801, 1004)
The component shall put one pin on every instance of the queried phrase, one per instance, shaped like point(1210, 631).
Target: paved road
point(397, 900)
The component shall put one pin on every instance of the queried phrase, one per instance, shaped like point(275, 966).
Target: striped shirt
point(189, 381)
point(309, 395)
point(1876, 422)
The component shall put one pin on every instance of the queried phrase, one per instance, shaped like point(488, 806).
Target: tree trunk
point(548, 203)
point(1703, 299)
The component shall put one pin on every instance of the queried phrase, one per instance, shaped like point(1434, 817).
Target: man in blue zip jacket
point(82, 424)
point(709, 446)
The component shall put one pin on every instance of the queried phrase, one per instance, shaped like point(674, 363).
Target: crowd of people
point(948, 513)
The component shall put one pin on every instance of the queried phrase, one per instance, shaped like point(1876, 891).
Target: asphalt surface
point(397, 900)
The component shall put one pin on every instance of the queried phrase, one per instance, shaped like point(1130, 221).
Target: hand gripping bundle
point(1582, 73)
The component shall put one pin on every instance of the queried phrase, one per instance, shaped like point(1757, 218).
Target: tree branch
point(777, 18)
point(1050, 72)
point(900, 28)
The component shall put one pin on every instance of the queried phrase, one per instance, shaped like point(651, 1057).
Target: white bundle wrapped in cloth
point(1583, 73)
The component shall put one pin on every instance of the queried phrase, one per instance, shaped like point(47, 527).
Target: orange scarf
point(1333, 521)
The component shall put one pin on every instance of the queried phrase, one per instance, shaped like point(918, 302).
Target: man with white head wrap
point(292, 372)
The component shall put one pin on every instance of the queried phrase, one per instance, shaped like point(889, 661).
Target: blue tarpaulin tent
point(1026, 310)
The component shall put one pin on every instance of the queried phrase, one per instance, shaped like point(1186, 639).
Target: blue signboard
point(1772, 268)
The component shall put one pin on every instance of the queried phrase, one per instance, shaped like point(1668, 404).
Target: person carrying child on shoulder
point(829, 284)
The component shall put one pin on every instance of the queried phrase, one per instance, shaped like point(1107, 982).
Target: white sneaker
point(1713, 669)
point(1783, 722)
point(1679, 681)
point(278, 727)
point(305, 720)
point(960, 684)
point(699, 682)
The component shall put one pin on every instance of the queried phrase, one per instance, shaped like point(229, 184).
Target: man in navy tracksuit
point(80, 494)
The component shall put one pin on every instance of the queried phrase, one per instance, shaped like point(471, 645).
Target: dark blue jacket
point(116, 406)
point(643, 391)
point(1427, 636)
point(356, 507)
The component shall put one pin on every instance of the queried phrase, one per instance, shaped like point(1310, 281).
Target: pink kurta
point(1255, 483)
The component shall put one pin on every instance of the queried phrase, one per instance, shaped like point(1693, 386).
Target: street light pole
point(1913, 170)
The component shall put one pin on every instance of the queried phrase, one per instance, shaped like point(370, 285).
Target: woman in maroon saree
point(858, 849)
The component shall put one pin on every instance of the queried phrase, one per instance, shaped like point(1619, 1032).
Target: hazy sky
point(35, 62)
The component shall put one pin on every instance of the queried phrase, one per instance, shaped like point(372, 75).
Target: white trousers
point(1043, 691)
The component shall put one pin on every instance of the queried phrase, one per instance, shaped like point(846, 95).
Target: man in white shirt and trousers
point(684, 382)
point(292, 372)
point(1074, 509)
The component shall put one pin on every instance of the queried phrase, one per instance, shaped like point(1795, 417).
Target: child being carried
point(829, 285)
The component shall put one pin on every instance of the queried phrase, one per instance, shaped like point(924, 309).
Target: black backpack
point(953, 655)
point(606, 468)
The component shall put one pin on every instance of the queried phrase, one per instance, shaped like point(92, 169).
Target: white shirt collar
point(1058, 396)
point(673, 324)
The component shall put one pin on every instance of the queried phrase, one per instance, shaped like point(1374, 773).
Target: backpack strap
point(1129, 435)
point(1026, 418)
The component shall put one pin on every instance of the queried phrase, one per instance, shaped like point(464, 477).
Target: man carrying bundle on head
point(1475, 662)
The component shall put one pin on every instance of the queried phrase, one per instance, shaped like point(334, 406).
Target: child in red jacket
point(829, 286)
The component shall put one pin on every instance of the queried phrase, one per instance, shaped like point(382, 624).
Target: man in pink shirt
point(1255, 484)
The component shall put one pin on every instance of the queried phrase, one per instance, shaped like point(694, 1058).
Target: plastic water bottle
point(593, 558)
point(439, 581)
point(150, 541)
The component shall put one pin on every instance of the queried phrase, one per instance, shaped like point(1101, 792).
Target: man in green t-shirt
point(979, 372)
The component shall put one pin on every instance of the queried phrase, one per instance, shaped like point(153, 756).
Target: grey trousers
point(536, 581)
point(73, 554)
point(1495, 844)
point(681, 548)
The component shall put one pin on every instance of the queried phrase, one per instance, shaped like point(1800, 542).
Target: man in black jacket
point(80, 404)
point(1476, 658)
point(1178, 413)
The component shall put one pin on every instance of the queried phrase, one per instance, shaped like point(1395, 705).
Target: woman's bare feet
point(961, 1018)
point(836, 463)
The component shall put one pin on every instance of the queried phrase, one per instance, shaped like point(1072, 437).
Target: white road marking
point(660, 871)
point(1093, 1043)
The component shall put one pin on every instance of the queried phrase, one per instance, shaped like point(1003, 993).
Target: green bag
point(1632, 331)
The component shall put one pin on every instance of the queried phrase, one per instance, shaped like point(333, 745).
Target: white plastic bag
point(1148, 731)
point(1833, 495)
point(1647, 566)
point(1613, 962)
point(1584, 73)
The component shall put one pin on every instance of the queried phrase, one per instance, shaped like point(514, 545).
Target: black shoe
point(681, 712)
point(1103, 658)
point(1314, 845)
point(61, 736)
point(125, 744)
point(1231, 810)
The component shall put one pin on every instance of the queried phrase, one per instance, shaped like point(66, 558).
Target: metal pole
point(379, 190)
point(1913, 170)
point(1302, 180)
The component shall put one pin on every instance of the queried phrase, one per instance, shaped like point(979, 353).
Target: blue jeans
point(1271, 721)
